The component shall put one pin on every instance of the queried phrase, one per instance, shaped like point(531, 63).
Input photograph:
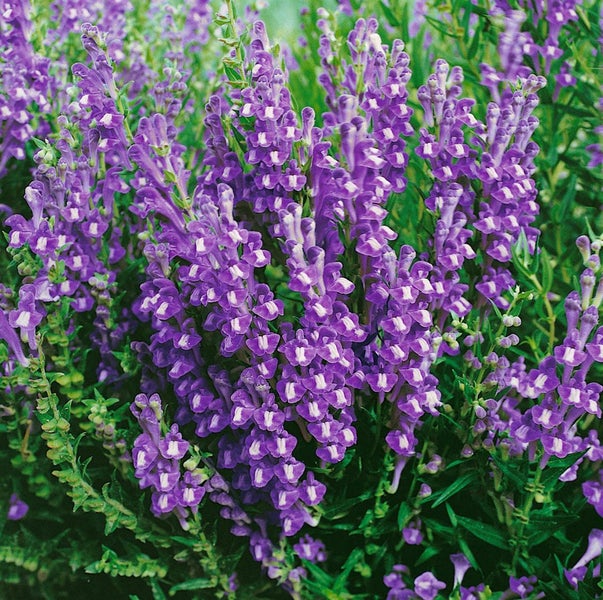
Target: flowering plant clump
point(310, 312)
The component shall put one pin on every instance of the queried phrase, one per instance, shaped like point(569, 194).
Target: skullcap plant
point(301, 300)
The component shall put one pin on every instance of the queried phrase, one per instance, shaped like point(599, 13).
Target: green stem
point(232, 31)
point(524, 517)
point(550, 314)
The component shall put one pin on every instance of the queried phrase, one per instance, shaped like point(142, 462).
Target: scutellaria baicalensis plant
point(316, 315)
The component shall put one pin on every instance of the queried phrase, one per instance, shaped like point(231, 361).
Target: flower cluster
point(73, 232)
point(425, 586)
point(560, 383)
point(24, 80)
point(157, 457)
point(514, 43)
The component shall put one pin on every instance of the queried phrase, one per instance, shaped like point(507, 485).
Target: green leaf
point(41, 144)
point(547, 271)
point(568, 109)
point(539, 536)
point(389, 15)
point(469, 554)
point(169, 176)
point(455, 487)
point(403, 513)
point(540, 519)
point(560, 210)
point(484, 532)
point(341, 509)
point(511, 472)
point(157, 591)
point(44, 417)
point(428, 553)
point(191, 543)
point(353, 559)
point(322, 578)
point(451, 515)
point(556, 467)
point(523, 260)
point(443, 29)
point(192, 584)
point(234, 76)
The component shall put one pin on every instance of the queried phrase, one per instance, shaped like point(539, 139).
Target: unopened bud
point(424, 491)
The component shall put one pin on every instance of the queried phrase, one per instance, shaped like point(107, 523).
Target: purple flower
point(144, 454)
point(189, 491)
point(269, 417)
point(427, 586)
point(555, 445)
point(281, 445)
point(166, 476)
point(17, 508)
point(593, 492)
point(394, 579)
point(261, 473)
point(522, 586)
point(312, 491)
point(547, 415)
point(293, 520)
point(402, 443)
point(284, 496)
point(26, 317)
point(473, 592)
point(163, 503)
point(412, 534)
point(593, 551)
point(310, 549)
point(381, 382)
point(461, 566)
point(289, 470)
point(7, 333)
point(569, 355)
point(173, 446)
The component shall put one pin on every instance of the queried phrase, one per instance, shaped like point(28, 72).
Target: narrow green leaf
point(340, 509)
point(192, 584)
point(464, 546)
point(389, 15)
point(322, 578)
point(556, 467)
point(454, 488)
point(451, 515)
point(94, 568)
point(539, 536)
point(511, 472)
point(547, 271)
point(574, 111)
point(185, 541)
point(156, 589)
point(428, 553)
point(560, 210)
point(484, 532)
point(354, 558)
point(403, 514)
